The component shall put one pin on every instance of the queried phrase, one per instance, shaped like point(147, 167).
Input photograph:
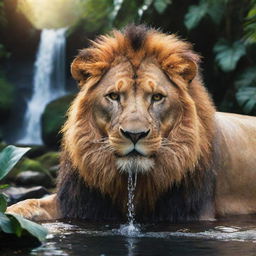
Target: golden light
point(51, 13)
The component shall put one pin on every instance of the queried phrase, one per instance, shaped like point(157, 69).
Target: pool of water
point(233, 236)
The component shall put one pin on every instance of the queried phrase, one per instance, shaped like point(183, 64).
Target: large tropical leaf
point(246, 97)
point(6, 224)
point(228, 54)
point(33, 228)
point(9, 156)
point(161, 5)
point(247, 78)
point(195, 14)
point(250, 25)
point(216, 10)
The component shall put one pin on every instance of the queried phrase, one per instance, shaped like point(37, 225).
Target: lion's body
point(236, 190)
point(143, 109)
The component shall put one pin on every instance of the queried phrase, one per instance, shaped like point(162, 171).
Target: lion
point(143, 110)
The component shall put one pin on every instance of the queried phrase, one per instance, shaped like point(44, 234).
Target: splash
point(48, 83)
point(130, 229)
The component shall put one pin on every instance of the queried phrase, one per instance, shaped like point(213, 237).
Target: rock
point(27, 165)
point(53, 118)
point(16, 194)
point(46, 165)
point(32, 178)
point(49, 159)
point(36, 151)
point(24, 165)
point(7, 96)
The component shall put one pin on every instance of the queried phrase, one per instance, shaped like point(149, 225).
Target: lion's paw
point(29, 209)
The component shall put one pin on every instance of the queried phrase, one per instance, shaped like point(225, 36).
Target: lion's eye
point(157, 97)
point(114, 96)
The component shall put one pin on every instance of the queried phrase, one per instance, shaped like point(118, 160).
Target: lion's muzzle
point(134, 136)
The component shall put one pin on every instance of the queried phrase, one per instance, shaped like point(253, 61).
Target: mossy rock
point(2, 145)
point(26, 164)
point(7, 96)
point(53, 119)
point(40, 164)
point(49, 159)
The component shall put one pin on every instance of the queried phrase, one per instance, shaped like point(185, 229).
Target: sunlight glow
point(51, 13)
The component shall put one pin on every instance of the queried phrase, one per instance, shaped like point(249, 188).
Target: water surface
point(233, 236)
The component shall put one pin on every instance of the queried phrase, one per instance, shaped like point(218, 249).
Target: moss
point(2, 145)
point(49, 159)
point(53, 119)
point(39, 164)
point(25, 165)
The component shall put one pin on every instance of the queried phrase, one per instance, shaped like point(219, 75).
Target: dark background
point(222, 31)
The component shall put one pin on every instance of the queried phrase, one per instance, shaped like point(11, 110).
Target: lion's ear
point(79, 70)
point(189, 70)
point(184, 66)
point(81, 67)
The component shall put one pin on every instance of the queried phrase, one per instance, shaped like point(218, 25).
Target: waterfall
point(48, 83)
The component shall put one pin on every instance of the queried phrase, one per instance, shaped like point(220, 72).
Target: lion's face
point(142, 107)
point(135, 110)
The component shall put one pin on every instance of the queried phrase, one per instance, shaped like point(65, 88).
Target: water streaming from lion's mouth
point(130, 229)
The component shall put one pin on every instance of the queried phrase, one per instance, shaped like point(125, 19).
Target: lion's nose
point(134, 136)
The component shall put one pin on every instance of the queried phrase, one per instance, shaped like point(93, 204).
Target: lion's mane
point(182, 182)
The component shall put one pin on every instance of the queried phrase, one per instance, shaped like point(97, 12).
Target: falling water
point(48, 82)
point(130, 229)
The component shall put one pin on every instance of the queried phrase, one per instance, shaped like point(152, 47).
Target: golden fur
point(190, 140)
point(204, 160)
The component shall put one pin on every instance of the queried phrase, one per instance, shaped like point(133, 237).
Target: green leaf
point(216, 11)
point(250, 25)
point(18, 230)
point(3, 203)
point(9, 157)
point(161, 5)
point(6, 224)
point(247, 78)
point(195, 14)
point(33, 228)
point(228, 54)
point(246, 97)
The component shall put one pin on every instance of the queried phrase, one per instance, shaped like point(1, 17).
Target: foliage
point(97, 15)
point(250, 25)
point(195, 14)
point(247, 78)
point(246, 90)
point(9, 157)
point(228, 54)
point(213, 9)
point(228, 27)
point(13, 224)
point(246, 97)
point(223, 31)
point(161, 5)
